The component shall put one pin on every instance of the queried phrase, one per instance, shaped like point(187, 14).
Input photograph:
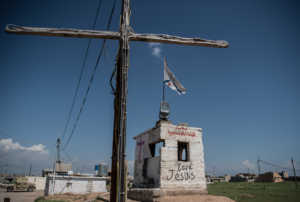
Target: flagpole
point(164, 92)
point(163, 83)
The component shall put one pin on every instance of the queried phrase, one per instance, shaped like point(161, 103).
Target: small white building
point(39, 182)
point(74, 184)
point(169, 160)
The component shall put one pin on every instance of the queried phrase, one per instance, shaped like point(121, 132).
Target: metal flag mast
point(164, 106)
point(163, 91)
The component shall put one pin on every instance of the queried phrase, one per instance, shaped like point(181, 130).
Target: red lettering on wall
point(181, 132)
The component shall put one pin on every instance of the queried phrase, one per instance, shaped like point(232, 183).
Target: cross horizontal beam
point(164, 38)
point(62, 32)
point(80, 33)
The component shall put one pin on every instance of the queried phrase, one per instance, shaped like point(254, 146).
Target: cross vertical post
point(118, 174)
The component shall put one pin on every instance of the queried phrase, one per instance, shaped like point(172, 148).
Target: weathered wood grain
point(79, 33)
point(62, 32)
point(164, 38)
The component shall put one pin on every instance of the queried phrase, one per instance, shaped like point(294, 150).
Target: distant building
point(284, 174)
point(208, 179)
point(101, 170)
point(217, 179)
point(46, 172)
point(269, 177)
point(60, 169)
point(63, 168)
point(243, 177)
point(238, 178)
point(39, 182)
point(227, 178)
point(212, 179)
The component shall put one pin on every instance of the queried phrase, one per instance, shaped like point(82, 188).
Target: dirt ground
point(95, 197)
point(98, 197)
point(20, 196)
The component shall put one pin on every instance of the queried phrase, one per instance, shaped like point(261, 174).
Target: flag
point(171, 81)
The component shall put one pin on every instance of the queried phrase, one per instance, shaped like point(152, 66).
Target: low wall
point(39, 182)
point(74, 184)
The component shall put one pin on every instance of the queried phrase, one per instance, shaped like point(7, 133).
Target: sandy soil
point(93, 197)
point(98, 197)
point(20, 196)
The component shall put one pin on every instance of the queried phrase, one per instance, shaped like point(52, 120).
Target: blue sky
point(246, 97)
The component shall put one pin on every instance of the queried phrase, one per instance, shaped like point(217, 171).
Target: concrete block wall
point(182, 174)
point(39, 182)
point(74, 184)
point(166, 170)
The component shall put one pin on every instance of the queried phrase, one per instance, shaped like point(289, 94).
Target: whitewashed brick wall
point(172, 173)
point(74, 184)
point(39, 182)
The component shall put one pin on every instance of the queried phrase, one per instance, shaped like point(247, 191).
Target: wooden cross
point(118, 188)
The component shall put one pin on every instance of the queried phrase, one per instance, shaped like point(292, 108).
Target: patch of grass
point(258, 192)
point(99, 198)
point(42, 199)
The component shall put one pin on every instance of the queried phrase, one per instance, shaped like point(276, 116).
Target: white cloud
point(248, 164)
point(16, 158)
point(156, 49)
point(8, 144)
point(38, 148)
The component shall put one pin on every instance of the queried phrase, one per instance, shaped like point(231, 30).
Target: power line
point(68, 156)
point(274, 165)
point(91, 79)
point(81, 73)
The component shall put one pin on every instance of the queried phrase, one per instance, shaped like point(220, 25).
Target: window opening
point(152, 149)
point(155, 148)
point(183, 151)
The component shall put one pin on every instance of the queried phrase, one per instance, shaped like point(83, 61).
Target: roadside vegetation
point(43, 199)
point(238, 191)
point(257, 192)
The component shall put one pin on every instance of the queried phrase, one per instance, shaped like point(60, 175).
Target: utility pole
point(258, 166)
point(125, 34)
point(29, 174)
point(58, 150)
point(118, 174)
point(214, 171)
point(295, 176)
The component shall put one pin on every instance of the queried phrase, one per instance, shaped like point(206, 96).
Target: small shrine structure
point(169, 160)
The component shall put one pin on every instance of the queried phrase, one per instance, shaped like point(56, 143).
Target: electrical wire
point(68, 156)
point(81, 73)
point(91, 79)
point(113, 74)
point(278, 166)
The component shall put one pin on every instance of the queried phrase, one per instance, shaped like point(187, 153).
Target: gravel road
point(20, 196)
